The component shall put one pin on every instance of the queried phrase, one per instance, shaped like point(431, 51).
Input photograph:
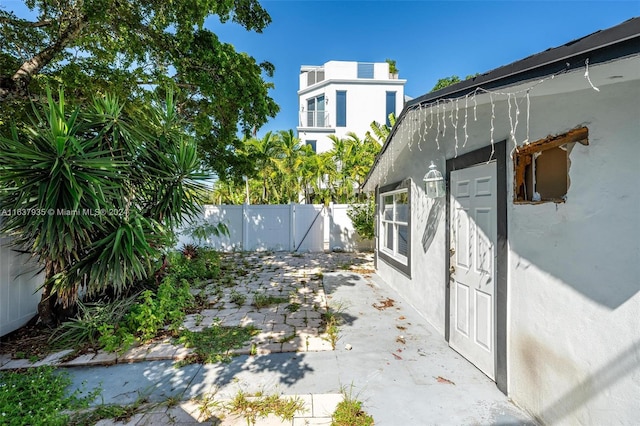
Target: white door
point(472, 273)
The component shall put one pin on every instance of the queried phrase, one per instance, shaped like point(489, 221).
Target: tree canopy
point(135, 47)
point(448, 81)
point(285, 170)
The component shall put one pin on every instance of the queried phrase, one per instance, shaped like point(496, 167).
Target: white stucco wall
point(574, 269)
point(574, 273)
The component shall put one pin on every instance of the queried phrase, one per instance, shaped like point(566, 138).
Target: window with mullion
point(395, 224)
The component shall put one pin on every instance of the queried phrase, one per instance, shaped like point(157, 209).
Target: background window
point(365, 70)
point(391, 106)
point(341, 108)
point(315, 112)
point(312, 144)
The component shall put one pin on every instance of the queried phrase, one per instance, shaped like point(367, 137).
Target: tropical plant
point(288, 164)
point(393, 69)
point(97, 193)
point(380, 132)
point(263, 154)
point(135, 47)
point(363, 218)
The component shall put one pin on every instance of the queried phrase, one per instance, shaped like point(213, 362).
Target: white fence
point(288, 227)
point(19, 283)
point(291, 227)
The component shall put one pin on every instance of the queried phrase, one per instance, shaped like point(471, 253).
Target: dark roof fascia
point(602, 46)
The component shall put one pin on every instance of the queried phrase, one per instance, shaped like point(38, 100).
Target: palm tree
point(380, 131)
point(263, 153)
point(101, 192)
point(361, 154)
point(315, 172)
point(289, 164)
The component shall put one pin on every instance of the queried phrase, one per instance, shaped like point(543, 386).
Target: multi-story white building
point(341, 96)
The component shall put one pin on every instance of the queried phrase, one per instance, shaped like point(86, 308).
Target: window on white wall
point(315, 76)
point(315, 112)
point(365, 70)
point(394, 244)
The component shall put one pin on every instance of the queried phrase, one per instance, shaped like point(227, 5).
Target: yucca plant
point(97, 192)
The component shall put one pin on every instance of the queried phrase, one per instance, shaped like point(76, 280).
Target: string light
point(419, 127)
point(455, 126)
point(466, 110)
point(444, 119)
point(493, 117)
point(586, 75)
point(526, 141)
point(438, 120)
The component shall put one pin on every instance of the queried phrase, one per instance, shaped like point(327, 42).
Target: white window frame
point(385, 223)
point(313, 115)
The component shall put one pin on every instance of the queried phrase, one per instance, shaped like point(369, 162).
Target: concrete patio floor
point(387, 356)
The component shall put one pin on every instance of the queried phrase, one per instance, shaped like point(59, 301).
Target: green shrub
point(117, 325)
point(363, 218)
point(92, 322)
point(203, 266)
point(38, 396)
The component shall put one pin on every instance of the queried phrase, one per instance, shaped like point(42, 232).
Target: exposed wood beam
point(579, 134)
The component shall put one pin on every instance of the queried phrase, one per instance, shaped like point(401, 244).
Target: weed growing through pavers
point(259, 405)
point(208, 406)
point(199, 318)
point(332, 320)
point(293, 307)
point(38, 396)
point(288, 338)
point(119, 413)
point(215, 343)
point(261, 300)
point(237, 297)
point(349, 411)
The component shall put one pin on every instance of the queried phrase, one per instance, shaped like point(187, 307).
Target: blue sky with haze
point(428, 39)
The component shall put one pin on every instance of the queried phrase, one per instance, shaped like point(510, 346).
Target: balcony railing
point(314, 119)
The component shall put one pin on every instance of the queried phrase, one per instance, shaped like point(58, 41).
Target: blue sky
point(428, 39)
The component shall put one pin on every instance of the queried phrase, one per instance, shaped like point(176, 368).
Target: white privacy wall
point(573, 313)
point(19, 295)
point(284, 227)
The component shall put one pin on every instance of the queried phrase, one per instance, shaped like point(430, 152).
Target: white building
point(524, 251)
point(340, 97)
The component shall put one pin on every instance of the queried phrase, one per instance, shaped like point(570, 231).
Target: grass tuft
point(349, 412)
point(215, 343)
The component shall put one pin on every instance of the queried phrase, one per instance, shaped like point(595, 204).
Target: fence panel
point(309, 227)
point(342, 235)
point(268, 227)
point(284, 227)
point(19, 282)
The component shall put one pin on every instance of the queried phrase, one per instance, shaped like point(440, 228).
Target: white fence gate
point(19, 283)
point(283, 227)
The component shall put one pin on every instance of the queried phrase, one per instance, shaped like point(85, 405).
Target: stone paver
point(395, 378)
point(296, 277)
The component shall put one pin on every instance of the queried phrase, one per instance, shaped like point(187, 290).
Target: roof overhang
point(572, 60)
